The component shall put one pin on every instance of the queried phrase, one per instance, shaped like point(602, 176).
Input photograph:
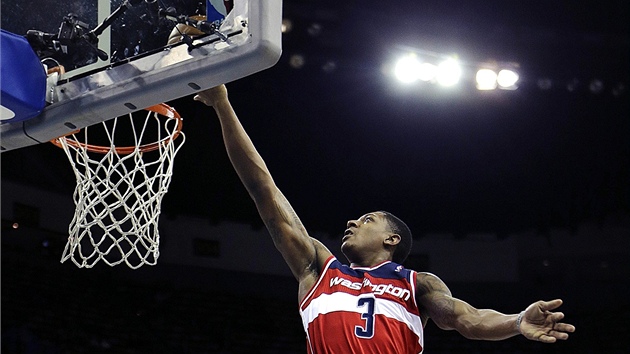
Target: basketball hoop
point(123, 169)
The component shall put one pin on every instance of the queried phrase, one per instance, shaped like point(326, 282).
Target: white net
point(119, 190)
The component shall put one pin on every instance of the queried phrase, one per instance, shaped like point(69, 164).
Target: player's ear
point(392, 239)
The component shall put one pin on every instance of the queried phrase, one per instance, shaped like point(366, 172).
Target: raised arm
point(303, 254)
point(537, 322)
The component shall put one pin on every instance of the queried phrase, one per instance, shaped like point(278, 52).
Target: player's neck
point(370, 262)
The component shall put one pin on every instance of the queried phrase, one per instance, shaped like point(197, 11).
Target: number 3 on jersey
point(368, 330)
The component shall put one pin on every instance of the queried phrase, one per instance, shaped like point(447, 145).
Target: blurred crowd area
point(49, 307)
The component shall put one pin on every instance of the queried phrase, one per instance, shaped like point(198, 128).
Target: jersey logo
point(379, 289)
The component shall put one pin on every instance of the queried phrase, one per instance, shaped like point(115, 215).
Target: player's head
point(374, 233)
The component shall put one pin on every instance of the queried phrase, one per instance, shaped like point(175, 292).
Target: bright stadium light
point(406, 69)
point(427, 72)
point(507, 79)
point(486, 79)
point(448, 72)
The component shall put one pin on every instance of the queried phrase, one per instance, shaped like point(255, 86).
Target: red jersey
point(363, 310)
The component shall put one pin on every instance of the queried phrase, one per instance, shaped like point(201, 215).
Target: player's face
point(365, 235)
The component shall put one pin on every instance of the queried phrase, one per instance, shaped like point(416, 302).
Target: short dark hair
point(399, 227)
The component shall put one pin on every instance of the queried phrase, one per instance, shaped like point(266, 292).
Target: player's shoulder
point(429, 283)
point(323, 254)
point(426, 277)
point(322, 258)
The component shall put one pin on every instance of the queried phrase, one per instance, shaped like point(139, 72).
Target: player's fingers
point(550, 305)
point(556, 316)
point(564, 327)
point(202, 100)
point(547, 338)
point(559, 335)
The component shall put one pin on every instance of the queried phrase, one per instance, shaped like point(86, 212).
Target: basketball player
point(374, 305)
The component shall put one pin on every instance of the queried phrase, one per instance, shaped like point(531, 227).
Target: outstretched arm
point(535, 323)
point(302, 253)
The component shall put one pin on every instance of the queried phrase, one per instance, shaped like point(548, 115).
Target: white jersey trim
point(413, 275)
point(339, 301)
point(321, 276)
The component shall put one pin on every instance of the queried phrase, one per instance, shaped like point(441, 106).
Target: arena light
point(448, 73)
point(297, 61)
point(287, 25)
point(427, 72)
point(407, 68)
point(486, 79)
point(507, 79)
point(448, 70)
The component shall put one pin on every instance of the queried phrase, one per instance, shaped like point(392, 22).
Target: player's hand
point(211, 96)
point(540, 324)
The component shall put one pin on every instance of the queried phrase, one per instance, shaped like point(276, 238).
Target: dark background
point(350, 139)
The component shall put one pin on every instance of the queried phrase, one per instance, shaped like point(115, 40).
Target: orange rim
point(161, 108)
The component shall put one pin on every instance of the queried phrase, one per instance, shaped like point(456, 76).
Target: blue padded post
point(22, 79)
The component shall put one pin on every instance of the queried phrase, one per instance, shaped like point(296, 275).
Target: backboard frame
point(170, 73)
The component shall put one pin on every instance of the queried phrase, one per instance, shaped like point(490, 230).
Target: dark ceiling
point(347, 140)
